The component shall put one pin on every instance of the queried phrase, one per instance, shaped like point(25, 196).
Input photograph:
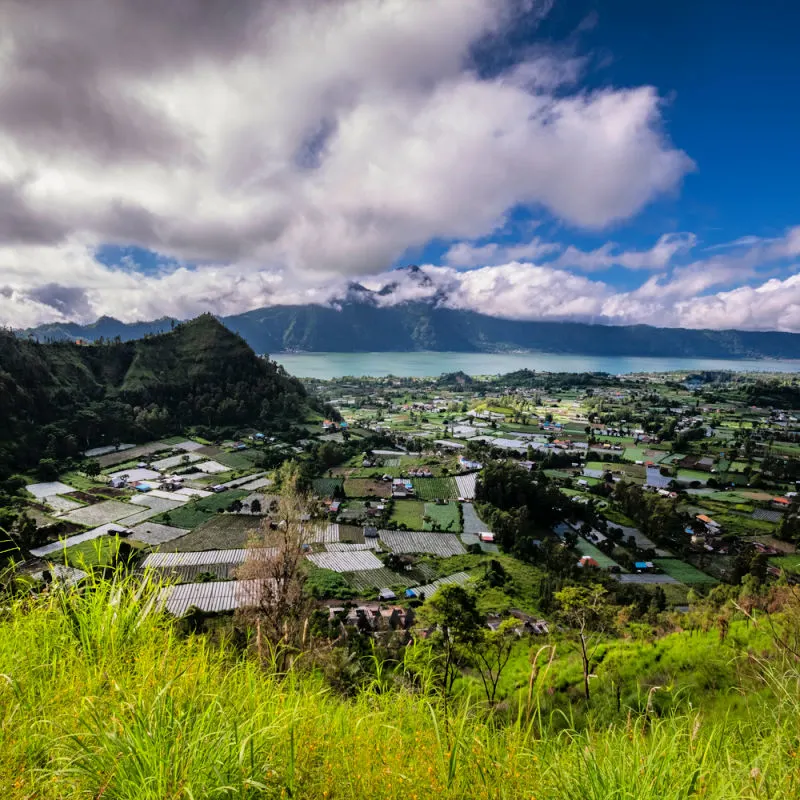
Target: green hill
point(59, 398)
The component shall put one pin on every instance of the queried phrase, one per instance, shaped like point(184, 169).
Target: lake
point(420, 365)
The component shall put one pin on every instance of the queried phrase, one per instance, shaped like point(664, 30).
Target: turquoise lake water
point(337, 365)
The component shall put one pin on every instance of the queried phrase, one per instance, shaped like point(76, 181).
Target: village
point(394, 473)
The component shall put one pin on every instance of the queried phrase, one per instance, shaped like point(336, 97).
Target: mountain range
point(363, 322)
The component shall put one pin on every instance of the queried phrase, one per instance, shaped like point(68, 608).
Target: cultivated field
point(683, 572)
point(375, 579)
point(364, 487)
point(221, 532)
point(435, 488)
point(101, 513)
point(325, 487)
point(445, 518)
point(440, 544)
point(346, 562)
point(408, 513)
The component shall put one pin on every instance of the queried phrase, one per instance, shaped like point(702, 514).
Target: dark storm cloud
point(71, 301)
point(64, 85)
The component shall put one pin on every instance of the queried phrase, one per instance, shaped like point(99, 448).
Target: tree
point(255, 506)
point(492, 653)
point(91, 468)
point(585, 609)
point(458, 625)
point(280, 605)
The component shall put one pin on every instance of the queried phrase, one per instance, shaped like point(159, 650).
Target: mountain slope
point(364, 326)
point(57, 399)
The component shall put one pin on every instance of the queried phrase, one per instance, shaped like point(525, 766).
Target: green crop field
point(239, 460)
point(325, 487)
point(435, 488)
point(683, 572)
point(790, 563)
point(194, 514)
point(408, 513)
point(587, 549)
point(445, 517)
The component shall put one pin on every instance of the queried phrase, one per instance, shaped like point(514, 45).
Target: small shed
point(386, 595)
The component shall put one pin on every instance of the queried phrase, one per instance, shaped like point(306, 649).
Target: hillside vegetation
point(60, 398)
point(102, 696)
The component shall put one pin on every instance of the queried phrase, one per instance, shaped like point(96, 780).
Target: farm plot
point(372, 580)
point(145, 513)
point(176, 461)
point(351, 534)
point(442, 517)
point(211, 597)
point(102, 513)
point(136, 474)
point(222, 532)
point(327, 487)
point(212, 467)
point(429, 589)
point(683, 572)
point(43, 490)
point(408, 513)
point(439, 544)
point(143, 452)
point(364, 487)
point(767, 515)
point(71, 541)
point(158, 504)
point(258, 483)
point(245, 459)
point(322, 534)
point(350, 547)
point(346, 562)
point(62, 505)
point(587, 549)
point(465, 484)
point(435, 488)
point(154, 534)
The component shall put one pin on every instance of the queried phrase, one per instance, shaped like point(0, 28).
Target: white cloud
point(312, 136)
point(659, 256)
point(467, 254)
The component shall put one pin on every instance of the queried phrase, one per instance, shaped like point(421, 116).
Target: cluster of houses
point(402, 487)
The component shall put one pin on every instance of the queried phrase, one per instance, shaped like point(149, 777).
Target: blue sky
point(729, 76)
point(600, 160)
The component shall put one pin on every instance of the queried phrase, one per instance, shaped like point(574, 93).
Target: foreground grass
point(101, 697)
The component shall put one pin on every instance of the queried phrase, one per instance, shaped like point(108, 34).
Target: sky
point(608, 161)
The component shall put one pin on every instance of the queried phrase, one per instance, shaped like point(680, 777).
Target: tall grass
point(101, 698)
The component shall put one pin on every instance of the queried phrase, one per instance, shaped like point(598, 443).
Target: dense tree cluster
point(518, 507)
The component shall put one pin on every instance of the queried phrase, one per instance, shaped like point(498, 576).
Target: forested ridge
point(60, 398)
